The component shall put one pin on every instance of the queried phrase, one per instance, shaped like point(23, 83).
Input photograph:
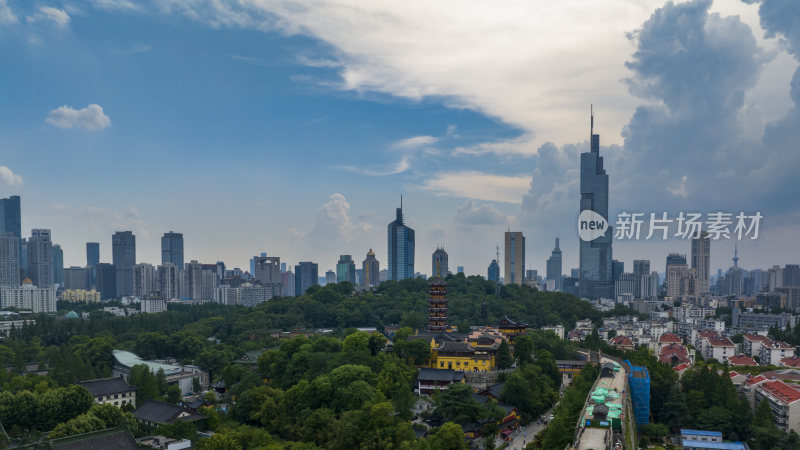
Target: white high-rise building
point(29, 297)
point(9, 260)
point(169, 281)
point(144, 280)
point(40, 258)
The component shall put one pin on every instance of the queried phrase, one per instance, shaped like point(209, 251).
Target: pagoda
point(437, 306)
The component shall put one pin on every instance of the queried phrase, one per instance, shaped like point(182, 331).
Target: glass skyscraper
point(596, 269)
point(123, 244)
point(172, 249)
point(346, 269)
point(554, 270)
point(401, 248)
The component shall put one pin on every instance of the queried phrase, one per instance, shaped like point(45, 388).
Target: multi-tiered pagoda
point(437, 306)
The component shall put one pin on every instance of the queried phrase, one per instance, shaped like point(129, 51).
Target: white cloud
point(127, 5)
point(48, 13)
point(398, 168)
point(6, 15)
point(91, 117)
point(472, 213)
point(9, 178)
point(103, 219)
point(416, 142)
point(478, 185)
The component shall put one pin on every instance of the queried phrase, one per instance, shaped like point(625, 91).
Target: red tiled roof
point(719, 341)
point(742, 360)
point(733, 373)
point(681, 367)
point(779, 344)
point(706, 333)
point(667, 358)
point(621, 340)
point(793, 361)
point(783, 391)
point(757, 337)
point(755, 380)
point(674, 348)
point(670, 337)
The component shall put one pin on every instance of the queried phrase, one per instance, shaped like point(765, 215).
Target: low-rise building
point(751, 344)
point(153, 305)
point(164, 443)
point(154, 413)
point(784, 401)
point(557, 329)
point(749, 388)
point(80, 296)
point(110, 391)
point(623, 343)
point(773, 353)
point(741, 360)
point(430, 380)
point(792, 361)
point(181, 375)
point(719, 348)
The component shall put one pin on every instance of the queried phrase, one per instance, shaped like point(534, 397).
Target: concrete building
point(58, 265)
point(153, 305)
point(144, 280)
point(181, 375)
point(267, 269)
point(106, 280)
point(29, 297)
point(40, 258)
point(76, 278)
point(774, 352)
point(624, 287)
point(784, 401)
point(493, 272)
point(305, 276)
point(701, 260)
point(330, 277)
point(123, 245)
point(110, 391)
point(80, 296)
point(514, 258)
point(169, 281)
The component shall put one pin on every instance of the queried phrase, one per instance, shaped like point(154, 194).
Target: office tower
point(11, 222)
point(649, 286)
point(401, 248)
point(23, 258)
point(40, 258)
point(359, 276)
point(701, 260)
point(791, 275)
point(372, 270)
point(144, 280)
point(76, 278)
point(305, 276)
point(172, 249)
point(123, 244)
point(287, 279)
point(641, 269)
point(58, 265)
point(774, 278)
point(9, 260)
point(346, 269)
point(92, 254)
point(676, 269)
point(515, 258)
point(169, 281)
point(199, 281)
point(493, 273)
point(330, 277)
point(383, 275)
point(618, 268)
point(575, 273)
point(460, 269)
point(439, 267)
point(595, 255)
point(531, 277)
point(624, 288)
point(106, 280)
point(554, 270)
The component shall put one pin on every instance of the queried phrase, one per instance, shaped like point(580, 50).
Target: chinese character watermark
point(717, 225)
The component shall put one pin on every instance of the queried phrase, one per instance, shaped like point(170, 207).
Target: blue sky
point(293, 128)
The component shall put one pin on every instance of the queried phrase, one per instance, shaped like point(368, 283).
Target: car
point(552, 417)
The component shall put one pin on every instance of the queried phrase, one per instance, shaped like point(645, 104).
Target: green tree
point(450, 436)
point(523, 349)
point(218, 442)
point(174, 394)
point(504, 358)
point(146, 383)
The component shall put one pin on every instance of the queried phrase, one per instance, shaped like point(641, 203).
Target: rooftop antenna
point(591, 128)
point(498, 254)
point(736, 254)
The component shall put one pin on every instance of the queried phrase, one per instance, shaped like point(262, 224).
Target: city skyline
point(471, 158)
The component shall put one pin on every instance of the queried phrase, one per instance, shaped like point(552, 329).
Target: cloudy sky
point(293, 128)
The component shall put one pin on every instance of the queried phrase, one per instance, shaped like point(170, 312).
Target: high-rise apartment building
point(145, 281)
point(169, 281)
point(439, 267)
point(676, 269)
point(123, 245)
point(198, 283)
point(29, 297)
point(346, 269)
point(401, 244)
point(618, 268)
point(791, 275)
point(701, 260)
point(372, 269)
point(40, 258)
point(306, 274)
point(92, 254)
point(9, 260)
point(596, 277)
point(10, 216)
point(515, 258)
point(267, 269)
point(76, 278)
point(172, 249)
point(641, 269)
point(554, 270)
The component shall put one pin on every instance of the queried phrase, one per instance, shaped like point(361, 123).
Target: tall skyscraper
point(618, 268)
point(372, 269)
point(10, 216)
point(676, 270)
point(144, 280)
point(123, 244)
point(641, 269)
point(169, 281)
point(40, 258)
point(76, 278)
point(701, 260)
point(554, 270)
point(92, 253)
point(58, 265)
point(439, 266)
point(401, 248)
point(596, 279)
point(267, 269)
point(106, 280)
point(493, 273)
point(515, 258)
point(172, 249)
point(306, 274)
point(9, 259)
point(346, 269)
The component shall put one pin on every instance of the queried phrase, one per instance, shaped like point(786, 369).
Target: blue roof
point(701, 432)
point(715, 445)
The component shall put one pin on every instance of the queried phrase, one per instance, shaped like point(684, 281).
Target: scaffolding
point(639, 383)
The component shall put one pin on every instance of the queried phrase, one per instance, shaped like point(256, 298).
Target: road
point(520, 439)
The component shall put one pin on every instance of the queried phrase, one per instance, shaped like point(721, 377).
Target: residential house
point(784, 401)
point(110, 391)
point(154, 413)
point(774, 352)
